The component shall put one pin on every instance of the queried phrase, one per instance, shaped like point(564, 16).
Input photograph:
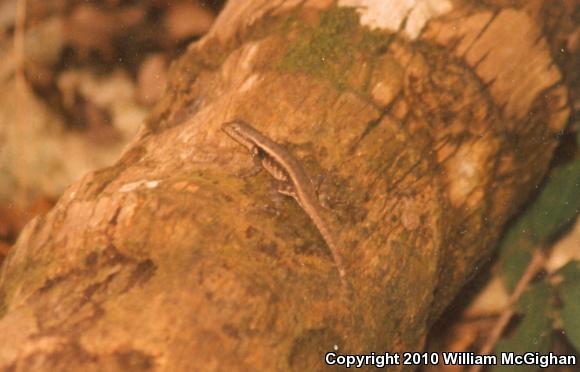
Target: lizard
point(284, 167)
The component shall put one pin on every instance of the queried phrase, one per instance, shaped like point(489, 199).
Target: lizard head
point(240, 132)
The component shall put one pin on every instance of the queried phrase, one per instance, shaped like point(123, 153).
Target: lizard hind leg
point(286, 188)
point(321, 188)
point(318, 183)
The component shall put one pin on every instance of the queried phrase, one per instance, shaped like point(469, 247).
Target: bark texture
point(169, 260)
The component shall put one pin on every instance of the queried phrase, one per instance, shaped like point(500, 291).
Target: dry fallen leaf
point(91, 28)
point(187, 19)
point(151, 79)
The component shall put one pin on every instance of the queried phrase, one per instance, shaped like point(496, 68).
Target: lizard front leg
point(257, 164)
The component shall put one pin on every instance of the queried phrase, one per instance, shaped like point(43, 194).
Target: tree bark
point(429, 136)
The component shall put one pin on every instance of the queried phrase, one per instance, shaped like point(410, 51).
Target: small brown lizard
point(286, 168)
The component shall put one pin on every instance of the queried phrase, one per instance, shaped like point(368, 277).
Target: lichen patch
point(391, 15)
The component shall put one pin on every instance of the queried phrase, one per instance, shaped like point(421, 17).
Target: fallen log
point(430, 126)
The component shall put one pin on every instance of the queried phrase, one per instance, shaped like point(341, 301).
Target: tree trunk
point(429, 131)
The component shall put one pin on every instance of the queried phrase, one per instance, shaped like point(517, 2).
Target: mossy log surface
point(170, 260)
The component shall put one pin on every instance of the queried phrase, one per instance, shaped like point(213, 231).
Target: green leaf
point(516, 253)
point(558, 204)
point(569, 290)
point(534, 332)
point(556, 207)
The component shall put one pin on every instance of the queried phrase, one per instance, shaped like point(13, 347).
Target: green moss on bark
point(334, 49)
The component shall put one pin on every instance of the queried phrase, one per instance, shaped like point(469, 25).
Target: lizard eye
point(233, 125)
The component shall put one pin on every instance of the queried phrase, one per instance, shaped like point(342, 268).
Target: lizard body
point(283, 166)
